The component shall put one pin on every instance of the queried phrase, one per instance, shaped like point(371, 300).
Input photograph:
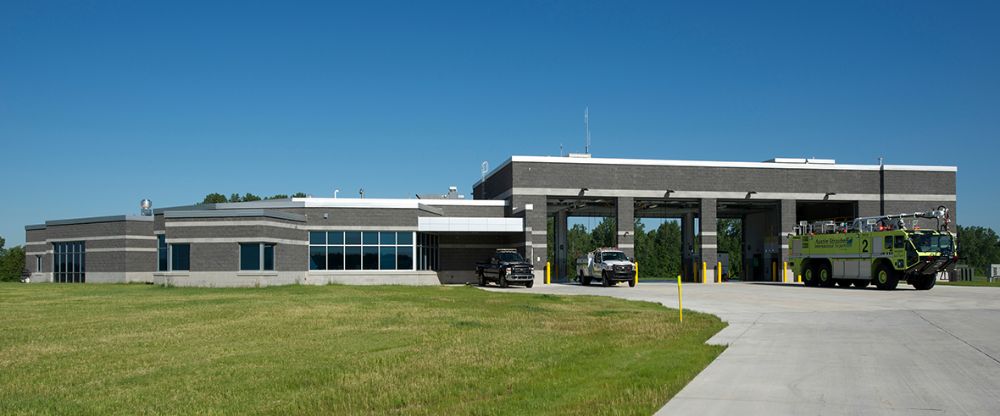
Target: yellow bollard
point(680, 299)
point(784, 272)
point(774, 271)
point(718, 272)
point(548, 272)
point(799, 280)
point(637, 273)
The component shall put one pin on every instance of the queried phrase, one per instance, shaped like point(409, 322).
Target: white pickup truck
point(610, 265)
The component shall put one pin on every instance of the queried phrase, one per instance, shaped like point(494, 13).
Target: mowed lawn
point(134, 349)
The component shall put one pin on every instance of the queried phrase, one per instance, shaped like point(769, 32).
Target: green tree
point(979, 247)
point(248, 197)
point(276, 196)
point(578, 243)
point(235, 198)
point(299, 195)
point(731, 242)
point(605, 234)
point(214, 198)
point(11, 262)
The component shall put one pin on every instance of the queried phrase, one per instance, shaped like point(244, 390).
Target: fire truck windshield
point(932, 243)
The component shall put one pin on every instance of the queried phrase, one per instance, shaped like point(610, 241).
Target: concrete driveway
point(797, 350)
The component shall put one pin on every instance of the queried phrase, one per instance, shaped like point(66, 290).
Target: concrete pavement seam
point(957, 337)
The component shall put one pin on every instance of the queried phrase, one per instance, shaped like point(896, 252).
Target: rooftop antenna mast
point(586, 126)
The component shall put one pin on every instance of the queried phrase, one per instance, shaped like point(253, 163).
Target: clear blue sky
point(105, 103)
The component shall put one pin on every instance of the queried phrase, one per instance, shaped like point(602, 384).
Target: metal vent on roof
point(802, 161)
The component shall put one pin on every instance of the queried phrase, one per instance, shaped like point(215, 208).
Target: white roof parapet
point(393, 203)
point(470, 224)
point(777, 163)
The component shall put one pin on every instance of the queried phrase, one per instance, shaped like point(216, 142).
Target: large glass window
point(180, 257)
point(161, 253)
point(258, 256)
point(427, 252)
point(68, 262)
point(361, 250)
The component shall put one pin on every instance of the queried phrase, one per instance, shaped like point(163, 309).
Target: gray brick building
point(439, 240)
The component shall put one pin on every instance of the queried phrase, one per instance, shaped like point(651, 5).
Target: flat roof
point(89, 220)
point(777, 163)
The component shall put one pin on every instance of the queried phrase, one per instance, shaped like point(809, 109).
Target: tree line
point(217, 198)
point(657, 250)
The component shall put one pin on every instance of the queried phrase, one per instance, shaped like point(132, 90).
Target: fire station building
point(438, 239)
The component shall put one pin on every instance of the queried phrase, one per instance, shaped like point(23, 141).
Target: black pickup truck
point(506, 268)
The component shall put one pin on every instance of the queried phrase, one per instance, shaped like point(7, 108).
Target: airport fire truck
point(880, 250)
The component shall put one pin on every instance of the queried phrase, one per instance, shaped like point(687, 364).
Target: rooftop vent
point(452, 194)
point(580, 155)
point(802, 161)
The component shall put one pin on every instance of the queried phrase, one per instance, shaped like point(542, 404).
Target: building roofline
point(89, 220)
point(234, 213)
point(714, 164)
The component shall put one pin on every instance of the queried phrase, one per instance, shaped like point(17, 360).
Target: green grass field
point(137, 349)
point(978, 281)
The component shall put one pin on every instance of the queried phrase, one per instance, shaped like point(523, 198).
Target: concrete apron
point(795, 350)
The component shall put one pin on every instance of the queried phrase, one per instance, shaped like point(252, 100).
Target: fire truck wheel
point(825, 275)
point(924, 282)
point(809, 276)
point(885, 277)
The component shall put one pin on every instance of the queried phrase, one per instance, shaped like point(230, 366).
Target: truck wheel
point(861, 284)
point(482, 279)
point(885, 277)
point(605, 281)
point(924, 282)
point(809, 276)
point(503, 281)
point(584, 279)
point(825, 275)
point(529, 284)
point(631, 283)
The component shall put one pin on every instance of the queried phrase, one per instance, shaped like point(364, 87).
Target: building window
point(427, 252)
point(38, 264)
point(69, 262)
point(361, 250)
point(256, 256)
point(180, 257)
point(161, 253)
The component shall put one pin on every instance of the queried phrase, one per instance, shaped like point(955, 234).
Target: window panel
point(249, 256)
point(335, 237)
point(268, 256)
point(161, 252)
point(335, 258)
point(352, 237)
point(387, 258)
point(387, 238)
point(317, 258)
point(352, 258)
point(180, 257)
point(370, 237)
point(317, 237)
point(404, 238)
point(369, 258)
point(404, 258)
